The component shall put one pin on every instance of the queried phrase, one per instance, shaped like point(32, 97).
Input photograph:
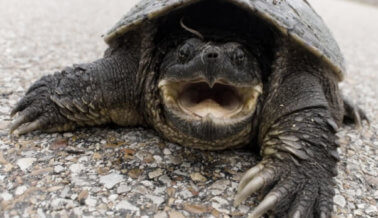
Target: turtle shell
point(295, 18)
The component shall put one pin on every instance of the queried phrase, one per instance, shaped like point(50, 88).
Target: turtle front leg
point(298, 167)
point(83, 95)
point(299, 151)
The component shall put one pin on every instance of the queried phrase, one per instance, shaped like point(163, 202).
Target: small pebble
point(76, 168)
point(196, 209)
point(113, 197)
point(165, 179)
point(157, 200)
point(185, 193)
point(91, 201)
point(339, 200)
point(376, 195)
point(20, 190)
point(371, 210)
point(59, 169)
point(197, 177)
point(25, 163)
point(123, 189)
point(166, 151)
point(83, 196)
point(161, 215)
point(67, 134)
point(4, 124)
point(357, 212)
point(125, 205)
point(176, 214)
point(6, 196)
point(155, 173)
point(111, 180)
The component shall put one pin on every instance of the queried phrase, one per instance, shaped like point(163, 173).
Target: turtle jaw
point(221, 103)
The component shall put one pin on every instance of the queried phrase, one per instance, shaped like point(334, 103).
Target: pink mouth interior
point(218, 101)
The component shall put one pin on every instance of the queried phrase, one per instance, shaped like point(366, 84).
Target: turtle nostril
point(212, 55)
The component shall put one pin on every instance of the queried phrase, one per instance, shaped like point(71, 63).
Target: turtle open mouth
point(219, 102)
point(201, 100)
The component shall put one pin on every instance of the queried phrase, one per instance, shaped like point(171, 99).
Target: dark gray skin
point(294, 120)
point(209, 62)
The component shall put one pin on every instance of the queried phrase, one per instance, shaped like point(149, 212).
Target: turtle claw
point(296, 214)
point(27, 120)
point(35, 111)
point(252, 187)
point(17, 122)
point(249, 175)
point(303, 205)
point(295, 189)
point(324, 215)
point(254, 180)
point(24, 117)
point(29, 127)
point(267, 204)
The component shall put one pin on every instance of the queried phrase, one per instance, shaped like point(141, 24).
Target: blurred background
point(374, 2)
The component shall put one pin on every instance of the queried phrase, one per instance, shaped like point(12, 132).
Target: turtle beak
point(215, 100)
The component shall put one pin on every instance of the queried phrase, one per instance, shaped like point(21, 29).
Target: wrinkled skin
point(211, 94)
point(215, 88)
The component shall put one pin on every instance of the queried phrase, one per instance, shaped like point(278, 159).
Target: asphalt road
point(41, 175)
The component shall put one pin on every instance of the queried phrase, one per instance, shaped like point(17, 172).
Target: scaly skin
point(297, 164)
point(83, 95)
point(299, 120)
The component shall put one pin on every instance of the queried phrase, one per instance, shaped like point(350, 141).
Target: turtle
point(213, 75)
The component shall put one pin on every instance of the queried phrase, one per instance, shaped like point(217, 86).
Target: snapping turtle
point(216, 74)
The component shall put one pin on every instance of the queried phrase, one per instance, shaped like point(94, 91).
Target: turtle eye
point(238, 56)
point(185, 52)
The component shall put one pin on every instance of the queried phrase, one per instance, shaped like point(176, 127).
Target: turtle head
point(210, 89)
